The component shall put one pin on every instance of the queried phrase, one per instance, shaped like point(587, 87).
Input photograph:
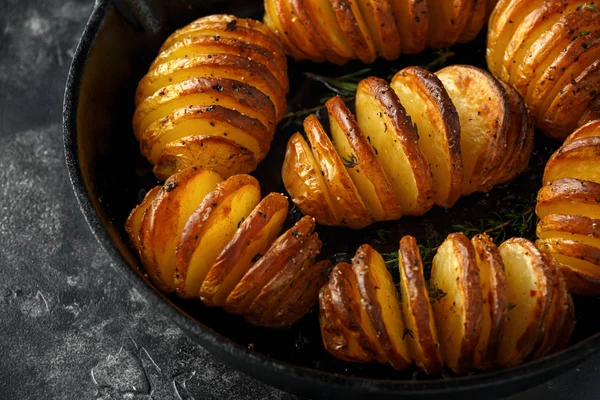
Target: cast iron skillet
point(109, 177)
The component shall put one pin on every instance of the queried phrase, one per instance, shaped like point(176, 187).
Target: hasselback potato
point(424, 140)
point(483, 307)
point(212, 97)
point(569, 209)
point(549, 50)
point(341, 30)
point(204, 237)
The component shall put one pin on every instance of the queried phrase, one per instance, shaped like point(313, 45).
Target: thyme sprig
point(442, 57)
point(299, 115)
point(343, 85)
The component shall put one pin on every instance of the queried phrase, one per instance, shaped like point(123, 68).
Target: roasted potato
point(578, 159)
point(133, 224)
point(447, 19)
point(165, 219)
point(573, 227)
point(412, 21)
point(579, 256)
point(495, 303)
point(529, 296)
point(250, 242)
point(212, 152)
point(475, 20)
point(349, 209)
point(484, 112)
point(437, 127)
point(581, 282)
point(390, 133)
point(270, 264)
point(209, 228)
point(548, 50)
point(591, 129)
point(420, 331)
point(352, 22)
point(381, 25)
point(570, 197)
point(459, 314)
point(362, 163)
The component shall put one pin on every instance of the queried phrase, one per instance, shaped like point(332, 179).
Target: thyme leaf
point(407, 332)
point(343, 85)
point(351, 161)
point(586, 6)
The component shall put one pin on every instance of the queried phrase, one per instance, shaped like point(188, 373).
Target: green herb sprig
point(343, 85)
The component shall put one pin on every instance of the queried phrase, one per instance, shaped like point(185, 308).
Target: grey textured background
point(70, 327)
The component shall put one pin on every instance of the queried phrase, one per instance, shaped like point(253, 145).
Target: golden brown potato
point(355, 29)
point(204, 92)
point(301, 297)
point(458, 315)
point(413, 23)
point(437, 126)
point(380, 301)
point(568, 327)
point(219, 66)
point(252, 239)
point(212, 152)
point(275, 24)
point(420, 331)
point(361, 162)
point(324, 19)
point(484, 112)
point(381, 25)
point(305, 183)
point(574, 254)
point(591, 129)
point(580, 282)
point(495, 303)
point(576, 160)
point(273, 261)
point(390, 133)
point(348, 206)
point(165, 219)
point(573, 227)
point(211, 121)
point(475, 21)
point(209, 228)
point(529, 295)
point(344, 324)
point(447, 19)
point(273, 291)
point(133, 224)
point(569, 196)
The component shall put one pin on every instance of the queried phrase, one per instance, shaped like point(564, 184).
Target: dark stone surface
point(70, 326)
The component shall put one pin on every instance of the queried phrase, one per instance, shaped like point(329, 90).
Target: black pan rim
point(239, 356)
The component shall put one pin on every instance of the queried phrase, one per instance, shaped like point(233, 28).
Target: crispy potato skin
point(220, 61)
point(569, 196)
point(133, 224)
point(342, 30)
point(577, 159)
point(548, 50)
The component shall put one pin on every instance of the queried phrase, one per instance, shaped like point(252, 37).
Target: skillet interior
point(110, 177)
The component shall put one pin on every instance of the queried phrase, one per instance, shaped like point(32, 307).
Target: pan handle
point(146, 15)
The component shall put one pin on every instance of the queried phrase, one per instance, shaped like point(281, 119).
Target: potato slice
point(436, 121)
point(420, 331)
point(576, 160)
point(341, 319)
point(305, 183)
point(569, 196)
point(580, 282)
point(273, 290)
point(459, 314)
point(205, 92)
point(275, 62)
point(529, 295)
point(591, 129)
point(495, 304)
point(592, 113)
point(557, 315)
point(214, 121)
point(390, 133)
point(573, 227)
point(379, 18)
point(563, 114)
point(301, 297)
point(212, 152)
point(348, 207)
point(295, 31)
point(321, 12)
point(412, 22)
point(133, 224)
point(519, 141)
point(504, 21)
point(228, 66)
point(380, 301)
point(274, 260)
point(477, 18)
point(568, 327)
point(577, 255)
point(209, 228)
point(165, 219)
point(484, 113)
point(273, 21)
point(355, 29)
point(447, 19)
point(361, 162)
point(250, 242)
